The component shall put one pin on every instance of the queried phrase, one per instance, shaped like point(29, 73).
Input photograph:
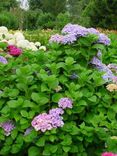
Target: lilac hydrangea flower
point(104, 39)
point(44, 121)
point(69, 39)
point(56, 111)
point(75, 29)
point(3, 60)
point(65, 103)
point(99, 54)
point(8, 126)
point(108, 76)
point(92, 31)
point(28, 130)
point(56, 38)
point(113, 67)
point(56, 120)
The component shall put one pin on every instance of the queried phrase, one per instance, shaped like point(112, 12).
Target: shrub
point(33, 83)
point(45, 20)
point(61, 20)
point(9, 20)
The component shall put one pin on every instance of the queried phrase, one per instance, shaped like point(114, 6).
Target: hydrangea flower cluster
point(65, 103)
point(111, 87)
point(46, 121)
point(14, 51)
point(71, 32)
point(113, 67)
point(8, 126)
point(108, 154)
point(53, 119)
point(3, 60)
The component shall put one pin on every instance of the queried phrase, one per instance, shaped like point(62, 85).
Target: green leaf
point(15, 148)
point(66, 148)
point(53, 148)
point(40, 98)
point(14, 93)
point(31, 136)
point(69, 61)
point(15, 103)
point(67, 140)
point(41, 142)
point(24, 113)
point(14, 133)
point(56, 97)
point(33, 151)
point(93, 99)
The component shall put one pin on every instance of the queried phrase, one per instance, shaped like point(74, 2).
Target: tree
point(102, 13)
point(49, 6)
point(75, 8)
point(8, 4)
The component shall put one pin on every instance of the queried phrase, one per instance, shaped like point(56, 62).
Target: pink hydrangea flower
point(108, 154)
point(65, 103)
point(14, 51)
point(44, 121)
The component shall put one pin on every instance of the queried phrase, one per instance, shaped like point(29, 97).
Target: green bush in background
point(9, 20)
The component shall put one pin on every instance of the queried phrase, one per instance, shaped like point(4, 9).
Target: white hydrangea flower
point(34, 48)
point(19, 36)
point(42, 48)
point(37, 44)
point(3, 30)
point(11, 42)
point(22, 44)
point(9, 36)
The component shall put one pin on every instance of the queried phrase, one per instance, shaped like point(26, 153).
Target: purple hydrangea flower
point(3, 60)
point(69, 39)
point(8, 126)
point(75, 29)
point(92, 31)
point(56, 38)
point(44, 122)
point(104, 39)
point(108, 76)
point(99, 54)
point(65, 103)
point(28, 130)
point(71, 32)
point(56, 111)
point(56, 121)
point(113, 67)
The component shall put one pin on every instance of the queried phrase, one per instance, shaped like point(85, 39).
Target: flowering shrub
point(56, 103)
point(17, 39)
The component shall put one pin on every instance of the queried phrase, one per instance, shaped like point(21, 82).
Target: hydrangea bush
point(56, 103)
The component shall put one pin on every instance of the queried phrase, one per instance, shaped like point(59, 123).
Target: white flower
point(3, 30)
point(11, 42)
point(19, 36)
point(37, 44)
point(42, 48)
point(33, 48)
point(22, 44)
point(9, 36)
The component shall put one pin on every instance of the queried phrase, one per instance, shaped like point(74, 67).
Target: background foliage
point(89, 13)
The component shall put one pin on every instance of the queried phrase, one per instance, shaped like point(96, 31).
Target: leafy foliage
point(29, 85)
